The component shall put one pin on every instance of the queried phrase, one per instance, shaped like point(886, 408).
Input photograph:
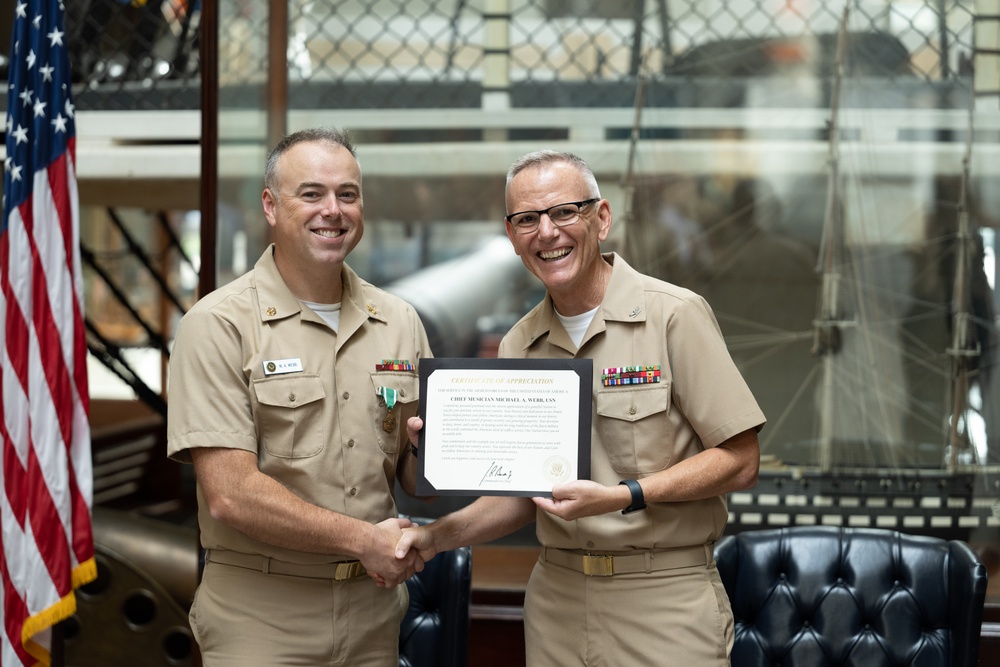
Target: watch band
point(638, 500)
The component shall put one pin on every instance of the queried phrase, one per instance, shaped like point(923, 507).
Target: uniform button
point(590, 544)
point(291, 397)
point(402, 392)
point(350, 443)
point(347, 395)
point(354, 492)
point(631, 410)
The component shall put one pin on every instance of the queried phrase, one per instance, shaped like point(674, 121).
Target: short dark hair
point(330, 135)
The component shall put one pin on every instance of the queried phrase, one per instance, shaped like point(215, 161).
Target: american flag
point(48, 548)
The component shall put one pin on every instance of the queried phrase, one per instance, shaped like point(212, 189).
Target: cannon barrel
point(454, 296)
point(168, 552)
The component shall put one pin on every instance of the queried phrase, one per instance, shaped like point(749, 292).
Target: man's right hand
point(416, 540)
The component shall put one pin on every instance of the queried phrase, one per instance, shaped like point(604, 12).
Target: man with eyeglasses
point(626, 574)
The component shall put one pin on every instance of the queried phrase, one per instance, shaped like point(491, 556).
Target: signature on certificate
point(496, 471)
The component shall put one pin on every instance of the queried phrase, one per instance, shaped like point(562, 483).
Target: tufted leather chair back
point(435, 630)
point(828, 596)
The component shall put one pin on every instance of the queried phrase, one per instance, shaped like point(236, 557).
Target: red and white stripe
point(44, 429)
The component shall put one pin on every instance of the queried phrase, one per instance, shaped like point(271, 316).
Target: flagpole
point(209, 56)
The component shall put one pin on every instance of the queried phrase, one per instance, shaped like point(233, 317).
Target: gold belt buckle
point(348, 570)
point(598, 566)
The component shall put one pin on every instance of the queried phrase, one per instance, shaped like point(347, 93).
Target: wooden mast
point(965, 348)
point(828, 323)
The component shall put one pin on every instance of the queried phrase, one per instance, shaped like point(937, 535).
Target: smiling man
point(288, 388)
point(626, 574)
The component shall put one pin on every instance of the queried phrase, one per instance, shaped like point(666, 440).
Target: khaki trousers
point(245, 618)
point(671, 617)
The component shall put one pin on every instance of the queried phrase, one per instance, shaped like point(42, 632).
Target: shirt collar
point(624, 301)
point(276, 301)
point(625, 298)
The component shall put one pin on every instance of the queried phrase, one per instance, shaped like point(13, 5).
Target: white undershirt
point(576, 325)
point(330, 312)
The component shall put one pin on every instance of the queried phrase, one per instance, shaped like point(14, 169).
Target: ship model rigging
point(862, 467)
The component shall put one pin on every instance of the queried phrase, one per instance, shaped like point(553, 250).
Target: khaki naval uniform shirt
point(314, 421)
point(700, 401)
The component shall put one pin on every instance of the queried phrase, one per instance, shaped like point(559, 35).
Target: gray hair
point(546, 156)
point(329, 135)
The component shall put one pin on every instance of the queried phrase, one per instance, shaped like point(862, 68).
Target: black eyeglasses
point(561, 215)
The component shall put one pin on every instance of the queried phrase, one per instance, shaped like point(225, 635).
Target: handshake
point(398, 551)
point(401, 547)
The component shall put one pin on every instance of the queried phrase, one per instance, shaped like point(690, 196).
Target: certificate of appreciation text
point(503, 426)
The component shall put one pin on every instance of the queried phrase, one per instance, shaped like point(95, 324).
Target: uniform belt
point(606, 565)
point(267, 565)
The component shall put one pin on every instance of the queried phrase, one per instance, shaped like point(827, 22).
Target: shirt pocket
point(633, 428)
point(407, 386)
point(290, 415)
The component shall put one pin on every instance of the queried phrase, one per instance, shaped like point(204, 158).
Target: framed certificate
point(503, 427)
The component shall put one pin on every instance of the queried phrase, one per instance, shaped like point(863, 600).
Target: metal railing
point(143, 54)
point(134, 55)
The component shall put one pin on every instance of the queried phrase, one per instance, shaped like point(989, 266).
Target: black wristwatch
point(638, 501)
